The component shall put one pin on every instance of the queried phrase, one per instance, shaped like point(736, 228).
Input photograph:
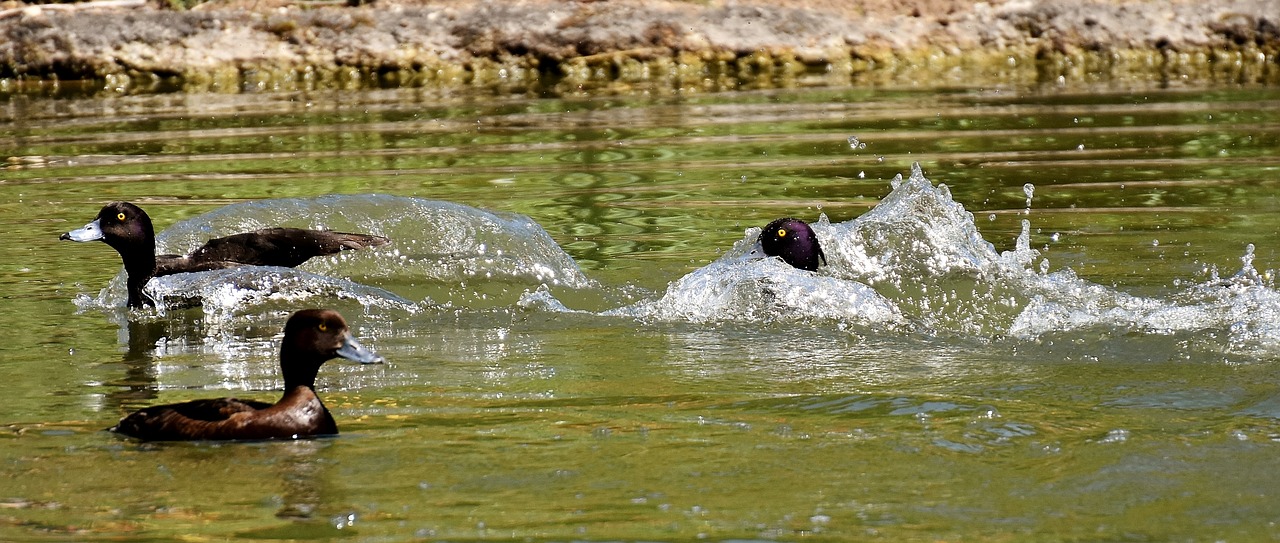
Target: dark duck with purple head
point(127, 229)
point(791, 240)
point(311, 337)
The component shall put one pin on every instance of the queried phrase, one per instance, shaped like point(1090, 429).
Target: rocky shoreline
point(620, 45)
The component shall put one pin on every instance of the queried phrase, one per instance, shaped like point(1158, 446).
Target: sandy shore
point(561, 46)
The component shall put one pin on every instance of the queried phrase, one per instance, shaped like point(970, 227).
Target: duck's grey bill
point(90, 232)
point(353, 350)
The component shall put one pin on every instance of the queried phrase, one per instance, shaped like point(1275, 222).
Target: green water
point(496, 420)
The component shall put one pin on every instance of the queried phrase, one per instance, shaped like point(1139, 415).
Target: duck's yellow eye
point(120, 216)
point(323, 327)
point(782, 232)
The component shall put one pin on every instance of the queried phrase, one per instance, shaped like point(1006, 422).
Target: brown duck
point(311, 337)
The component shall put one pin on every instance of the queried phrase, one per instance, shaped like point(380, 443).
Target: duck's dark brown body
point(311, 337)
point(127, 229)
point(284, 247)
point(300, 413)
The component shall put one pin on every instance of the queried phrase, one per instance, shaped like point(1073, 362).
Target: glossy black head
point(794, 242)
point(313, 336)
point(127, 229)
point(122, 225)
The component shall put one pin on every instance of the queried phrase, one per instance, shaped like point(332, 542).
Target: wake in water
point(917, 263)
point(437, 247)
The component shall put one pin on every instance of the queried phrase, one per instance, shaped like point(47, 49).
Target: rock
point(565, 45)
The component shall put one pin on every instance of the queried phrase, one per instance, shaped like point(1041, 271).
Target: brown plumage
point(311, 337)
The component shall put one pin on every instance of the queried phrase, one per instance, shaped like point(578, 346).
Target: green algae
point(653, 70)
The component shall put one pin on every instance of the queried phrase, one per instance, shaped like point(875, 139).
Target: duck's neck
point(297, 374)
point(140, 265)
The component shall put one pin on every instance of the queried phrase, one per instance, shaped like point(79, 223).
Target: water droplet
point(1024, 237)
point(854, 143)
point(1116, 436)
point(1246, 261)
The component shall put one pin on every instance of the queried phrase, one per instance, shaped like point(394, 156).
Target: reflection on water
point(138, 385)
point(1060, 326)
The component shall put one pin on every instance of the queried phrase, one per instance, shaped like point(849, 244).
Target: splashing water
point(916, 262)
point(431, 240)
point(441, 253)
point(764, 290)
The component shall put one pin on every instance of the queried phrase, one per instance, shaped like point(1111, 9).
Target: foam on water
point(227, 291)
point(1239, 314)
point(763, 290)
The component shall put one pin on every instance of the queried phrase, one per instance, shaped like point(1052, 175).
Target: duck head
point(312, 337)
point(127, 229)
point(792, 240)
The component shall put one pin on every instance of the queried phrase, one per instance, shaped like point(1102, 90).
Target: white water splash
point(432, 240)
point(764, 290)
point(436, 248)
point(917, 262)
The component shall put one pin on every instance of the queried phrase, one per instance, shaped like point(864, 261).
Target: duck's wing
point(285, 247)
point(197, 419)
point(216, 409)
point(171, 264)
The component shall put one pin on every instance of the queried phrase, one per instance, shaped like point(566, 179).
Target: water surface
point(1061, 326)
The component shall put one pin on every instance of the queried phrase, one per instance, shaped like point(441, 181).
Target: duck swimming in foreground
point(127, 229)
point(791, 240)
point(311, 337)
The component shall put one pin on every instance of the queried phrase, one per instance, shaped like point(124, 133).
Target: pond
point(1047, 313)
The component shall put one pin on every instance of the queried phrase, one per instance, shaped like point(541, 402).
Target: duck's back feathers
point(284, 247)
point(299, 414)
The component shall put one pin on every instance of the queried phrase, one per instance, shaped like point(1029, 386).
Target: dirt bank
point(565, 45)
